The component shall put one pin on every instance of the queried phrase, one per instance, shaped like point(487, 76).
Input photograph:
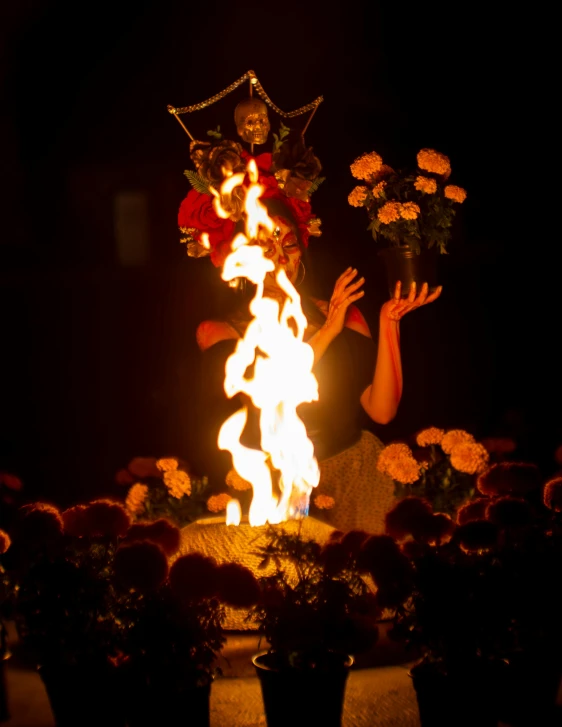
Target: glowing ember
point(284, 472)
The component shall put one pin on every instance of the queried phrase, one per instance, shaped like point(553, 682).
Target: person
point(356, 375)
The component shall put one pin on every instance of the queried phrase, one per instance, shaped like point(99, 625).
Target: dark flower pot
point(528, 690)
point(303, 697)
point(464, 697)
point(401, 263)
point(88, 695)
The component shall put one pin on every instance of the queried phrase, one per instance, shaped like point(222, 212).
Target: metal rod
point(309, 120)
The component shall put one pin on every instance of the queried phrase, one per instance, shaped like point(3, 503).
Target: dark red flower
point(11, 481)
point(162, 532)
point(552, 494)
point(197, 211)
point(381, 557)
point(5, 541)
point(473, 510)
point(509, 478)
point(405, 517)
point(194, 577)
point(39, 523)
point(509, 511)
point(436, 528)
point(124, 477)
point(353, 540)
point(142, 467)
point(477, 536)
point(75, 521)
point(140, 565)
point(334, 557)
point(106, 518)
point(237, 585)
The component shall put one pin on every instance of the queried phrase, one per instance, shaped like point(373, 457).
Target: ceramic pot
point(401, 263)
point(303, 697)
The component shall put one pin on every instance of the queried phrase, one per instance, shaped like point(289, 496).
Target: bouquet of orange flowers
point(413, 207)
point(442, 467)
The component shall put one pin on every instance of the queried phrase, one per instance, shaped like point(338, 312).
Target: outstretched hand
point(345, 293)
point(397, 307)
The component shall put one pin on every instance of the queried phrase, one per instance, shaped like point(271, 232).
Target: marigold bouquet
point(163, 487)
point(413, 207)
point(442, 467)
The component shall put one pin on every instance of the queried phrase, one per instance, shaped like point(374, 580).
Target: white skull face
point(255, 129)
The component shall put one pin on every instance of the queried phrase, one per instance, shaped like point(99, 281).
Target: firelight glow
point(284, 471)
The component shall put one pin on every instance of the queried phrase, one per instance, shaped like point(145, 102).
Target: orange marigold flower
point(167, 464)
point(178, 483)
point(469, 457)
point(499, 445)
point(234, 480)
point(431, 435)
point(366, 165)
point(552, 494)
point(410, 211)
point(136, 496)
point(324, 502)
point(218, 503)
point(434, 161)
point(378, 189)
point(425, 185)
point(357, 196)
point(457, 194)
point(454, 437)
point(389, 212)
point(5, 541)
point(397, 461)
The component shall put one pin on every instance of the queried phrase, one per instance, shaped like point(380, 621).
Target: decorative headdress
point(289, 173)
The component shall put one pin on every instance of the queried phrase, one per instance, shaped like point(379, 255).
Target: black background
point(99, 362)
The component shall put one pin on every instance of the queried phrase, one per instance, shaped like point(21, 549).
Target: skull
point(252, 124)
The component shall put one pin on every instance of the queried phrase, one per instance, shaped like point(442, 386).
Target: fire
point(284, 472)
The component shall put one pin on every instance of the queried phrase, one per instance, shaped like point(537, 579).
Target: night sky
point(99, 359)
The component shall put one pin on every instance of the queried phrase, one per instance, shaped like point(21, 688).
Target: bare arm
point(381, 398)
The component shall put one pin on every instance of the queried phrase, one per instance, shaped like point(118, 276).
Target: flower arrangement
point(413, 207)
point(316, 601)
point(441, 466)
point(163, 487)
point(477, 592)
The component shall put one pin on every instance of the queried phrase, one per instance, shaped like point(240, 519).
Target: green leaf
point(314, 186)
point(198, 183)
point(215, 133)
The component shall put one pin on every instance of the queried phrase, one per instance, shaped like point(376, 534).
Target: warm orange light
point(282, 379)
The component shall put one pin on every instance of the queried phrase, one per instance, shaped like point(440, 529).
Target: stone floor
point(379, 691)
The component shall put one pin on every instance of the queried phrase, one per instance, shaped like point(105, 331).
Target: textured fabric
point(362, 494)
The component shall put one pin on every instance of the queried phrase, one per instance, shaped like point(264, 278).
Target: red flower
point(124, 477)
point(40, 523)
point(381, 557)
point(75, 523)
point(509, 512)
point(141, 565)
point(237, 585)
point(353, 540)
point(197, 211)
point(11, 481)
point(106, 518)
point(194, 577)
point(143, 467)
point(405, 517)
point(162, 532)
point(477, 536)
point(509, 478)
point(552, 494)
point(334, 557)
point(4, 541)
point(473, 510)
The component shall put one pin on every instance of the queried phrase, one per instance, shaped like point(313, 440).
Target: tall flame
point(284, 472)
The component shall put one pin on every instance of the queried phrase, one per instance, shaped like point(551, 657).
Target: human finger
point(397, 290)
point(433, 296)
point(352, 287)
point(412, 293)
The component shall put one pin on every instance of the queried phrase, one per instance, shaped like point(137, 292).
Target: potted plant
point(315, 611)
point(440, 466)
point(411, 212)
point(478, 600)
point(59, 567)
point(174, 621)
point(163, 487)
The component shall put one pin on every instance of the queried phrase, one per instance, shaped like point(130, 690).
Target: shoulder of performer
point(210, 332)
point(354, 319)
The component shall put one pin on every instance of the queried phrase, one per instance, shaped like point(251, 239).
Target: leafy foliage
point(199, 183)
